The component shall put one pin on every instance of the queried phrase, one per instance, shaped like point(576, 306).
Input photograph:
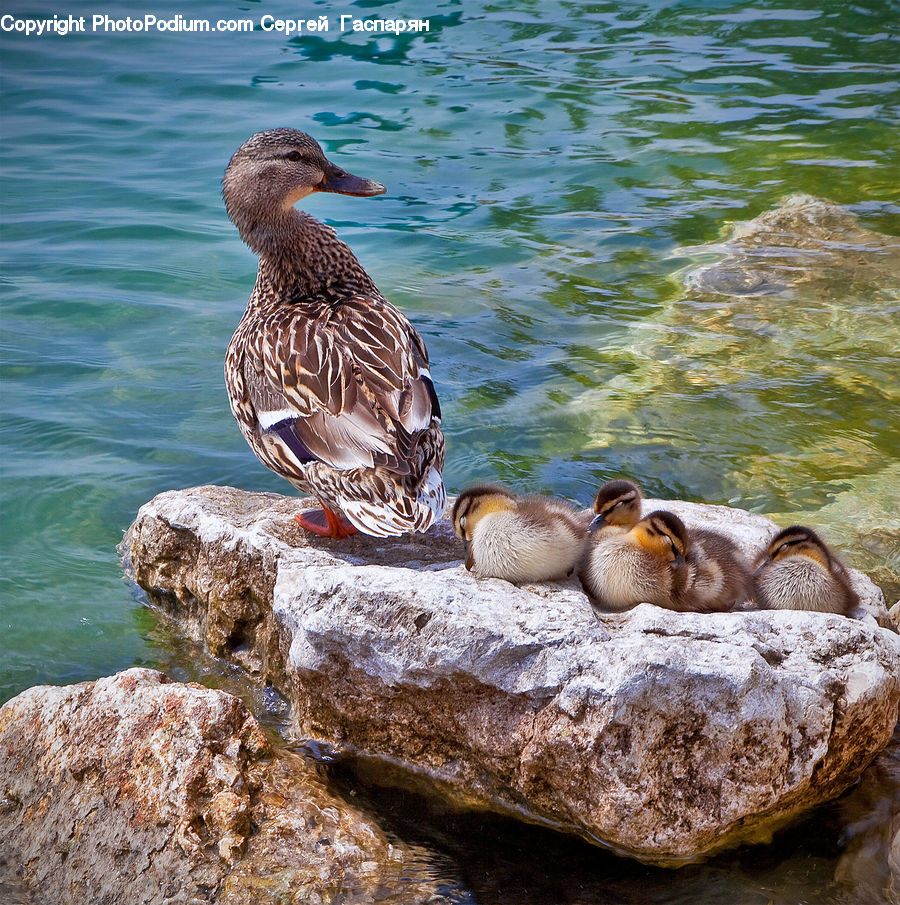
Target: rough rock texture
point(134, 788)
point(662, 735)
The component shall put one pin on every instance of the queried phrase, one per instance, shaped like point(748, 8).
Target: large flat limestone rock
point(664, 736)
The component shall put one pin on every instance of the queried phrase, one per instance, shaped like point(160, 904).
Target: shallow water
point(549, 167)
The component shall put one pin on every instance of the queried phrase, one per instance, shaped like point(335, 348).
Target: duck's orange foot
point(325, 523)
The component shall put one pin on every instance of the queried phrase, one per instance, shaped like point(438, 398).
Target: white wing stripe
point(268, 419)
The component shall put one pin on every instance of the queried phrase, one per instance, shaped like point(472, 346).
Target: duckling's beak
point(762, 565)
point(342, 183)
point(678, 561)
point(597, 522)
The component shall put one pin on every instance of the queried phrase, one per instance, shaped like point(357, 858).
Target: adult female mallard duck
point(328, 381)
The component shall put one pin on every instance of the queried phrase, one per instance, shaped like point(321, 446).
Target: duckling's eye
point(293, 155)
point(462, 522)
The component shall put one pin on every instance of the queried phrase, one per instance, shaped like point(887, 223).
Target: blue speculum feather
point(285, 430)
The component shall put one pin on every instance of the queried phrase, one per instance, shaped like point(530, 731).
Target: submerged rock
point(806, 240)
point(770, 397)
point(665, 736)
point(135, 788)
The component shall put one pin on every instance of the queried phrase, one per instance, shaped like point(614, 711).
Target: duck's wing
point(346, 384)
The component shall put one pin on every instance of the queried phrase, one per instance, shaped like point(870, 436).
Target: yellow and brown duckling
point(659, 561)
point(722, 577)
point(328, 381)
point(799, 572)
point(617, 507)
point(644, 564)
point(519, 539)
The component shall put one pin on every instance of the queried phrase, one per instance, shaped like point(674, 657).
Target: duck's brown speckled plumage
point(329, 382)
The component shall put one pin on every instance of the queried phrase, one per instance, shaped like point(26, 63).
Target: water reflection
point(498, 861)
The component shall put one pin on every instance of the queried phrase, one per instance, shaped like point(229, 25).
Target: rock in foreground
point(140, 790)
point(662, 735)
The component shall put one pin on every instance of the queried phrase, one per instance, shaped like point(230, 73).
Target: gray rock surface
point(665, 736)
point(135, 789)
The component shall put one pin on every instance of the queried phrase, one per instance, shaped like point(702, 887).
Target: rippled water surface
point(553, 170)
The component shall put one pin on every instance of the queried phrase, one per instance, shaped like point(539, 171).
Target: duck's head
point(617, 503)
point(664, 535)
point(797, 541)
point(271, 171)
point(474, 503)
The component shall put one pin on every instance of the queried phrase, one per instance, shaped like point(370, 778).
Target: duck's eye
point(293, 155)
point(462, 523)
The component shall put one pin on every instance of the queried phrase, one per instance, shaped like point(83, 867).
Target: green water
point(547, 163)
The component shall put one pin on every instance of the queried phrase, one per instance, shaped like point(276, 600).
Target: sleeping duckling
point(658, 561)
point(799, 572)
point(642, 565)
point(721, 576)
point(617, 506)
point(520, 539)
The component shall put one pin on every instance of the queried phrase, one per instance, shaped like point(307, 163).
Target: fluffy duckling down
point(519, 539)
point(644, 564)
point(617, 508)
point(656, 559)
point(798, 571)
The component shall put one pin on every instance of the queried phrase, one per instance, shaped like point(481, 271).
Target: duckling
point(799, 572)
point(644, 564)
point(617, 506)
point(721, 575)
point(659, 561)
point(328, 381)
point(520, 539)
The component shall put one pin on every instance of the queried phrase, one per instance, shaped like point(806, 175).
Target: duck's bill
point(342, 183)
point(762, 565)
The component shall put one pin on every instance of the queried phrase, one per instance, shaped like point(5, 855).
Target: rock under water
point(806, 240)
point(664, 736)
